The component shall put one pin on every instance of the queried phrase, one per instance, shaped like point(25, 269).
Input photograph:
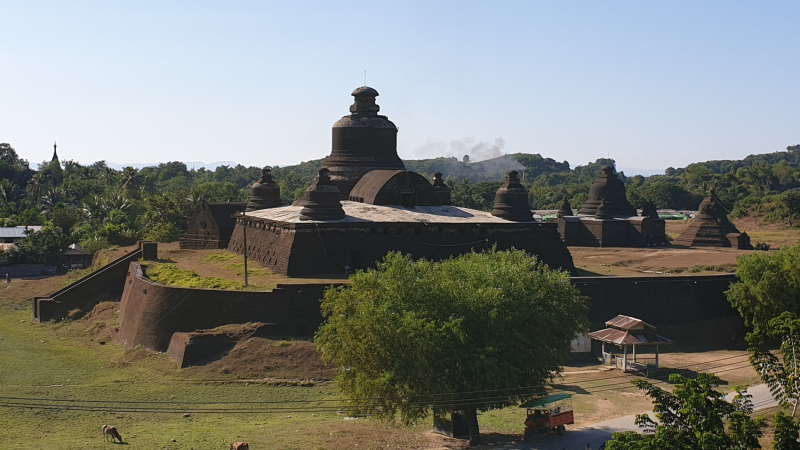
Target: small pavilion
point(624, 332)
point(76, 258)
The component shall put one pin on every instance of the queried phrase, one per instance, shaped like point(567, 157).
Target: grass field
point(67, 361)
point(64, 364)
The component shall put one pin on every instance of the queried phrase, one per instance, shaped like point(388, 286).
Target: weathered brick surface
point(210, 226)
point(104, 284)
point(618, 232)
point(658, 300)
point(150, 313)
point(317, 248)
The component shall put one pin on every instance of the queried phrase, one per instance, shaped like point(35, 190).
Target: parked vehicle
point(551, 413)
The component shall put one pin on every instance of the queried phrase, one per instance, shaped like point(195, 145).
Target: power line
point(523, 389)
point(311, 405)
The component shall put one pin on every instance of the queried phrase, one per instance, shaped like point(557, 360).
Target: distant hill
point(528, 165)
point(494, 169)
point(791, 156)
point(189, 164)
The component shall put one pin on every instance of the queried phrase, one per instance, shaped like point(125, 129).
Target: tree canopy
point(475, 332)
point(692, 417)
point(769, 285)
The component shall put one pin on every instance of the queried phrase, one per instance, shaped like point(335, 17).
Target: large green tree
point(769, 285)
point(692, 417)
point(467, 334)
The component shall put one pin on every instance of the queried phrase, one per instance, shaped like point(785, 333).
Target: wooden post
point(244, 242)
point(625, 358)
point(656, 356)
point(634, 352)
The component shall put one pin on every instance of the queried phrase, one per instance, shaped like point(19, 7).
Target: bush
point(171, 275)
point(163, 232)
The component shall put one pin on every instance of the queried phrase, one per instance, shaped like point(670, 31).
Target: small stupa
point(711, 227)
point(322, 199)
point(266, 193)
point(442, 190)
point(604, 210)
point(608, 186)
point(511, 201)
point(649, 210)
point(565, 209)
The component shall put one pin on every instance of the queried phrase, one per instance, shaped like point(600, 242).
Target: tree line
point(96, 206)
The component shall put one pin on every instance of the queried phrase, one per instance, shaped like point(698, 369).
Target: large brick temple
point(364, 204)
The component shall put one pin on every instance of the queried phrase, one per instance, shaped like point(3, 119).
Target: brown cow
point(240, 446)
point(109, 431)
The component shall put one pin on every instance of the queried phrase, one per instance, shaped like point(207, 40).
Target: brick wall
point(658, 300)
point(150, 313)
point(309, 249)
point(104, 284)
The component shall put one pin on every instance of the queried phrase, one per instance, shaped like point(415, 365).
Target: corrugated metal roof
point(75, 249)
point(17, 232)
point(619, 337)
point(628, 323)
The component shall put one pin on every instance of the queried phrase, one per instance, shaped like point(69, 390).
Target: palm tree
point(36, 186)
point(7, 189)
point(129, 177)
point(93, 208)
point(116, 199)
point(107, 175)
point(51, 196)
point(147, 185)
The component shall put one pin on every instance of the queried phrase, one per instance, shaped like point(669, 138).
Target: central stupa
point(364, 204)
point(362, 141)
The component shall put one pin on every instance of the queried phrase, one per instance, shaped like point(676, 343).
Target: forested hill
point(97, 206)
point(791, 156)
point(494, 169)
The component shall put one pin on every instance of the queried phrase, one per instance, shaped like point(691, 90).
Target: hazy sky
point(652, 84)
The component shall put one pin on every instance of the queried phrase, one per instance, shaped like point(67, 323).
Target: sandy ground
point(638, 261)
point(676, 260)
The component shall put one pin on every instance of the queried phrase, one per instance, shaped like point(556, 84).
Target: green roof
point(536, 402)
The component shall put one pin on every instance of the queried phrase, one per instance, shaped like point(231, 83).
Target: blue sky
point(652, 84)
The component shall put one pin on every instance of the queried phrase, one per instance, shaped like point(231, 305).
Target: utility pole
point(244, 241)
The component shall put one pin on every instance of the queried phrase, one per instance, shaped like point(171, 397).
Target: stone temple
point(607, 219)
point(364, 204)
point(711, 228)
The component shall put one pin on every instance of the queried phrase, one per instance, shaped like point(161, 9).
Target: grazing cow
point(240, 446)
point(109, 431)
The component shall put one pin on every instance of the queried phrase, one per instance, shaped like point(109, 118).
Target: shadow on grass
point(571, 388)
point(586, 273)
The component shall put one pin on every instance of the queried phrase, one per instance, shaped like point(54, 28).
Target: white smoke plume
point(476, 150)
point(487, 162)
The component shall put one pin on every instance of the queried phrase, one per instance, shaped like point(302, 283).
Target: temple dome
point(607, 186)
point(395, 187)
point(361, 142)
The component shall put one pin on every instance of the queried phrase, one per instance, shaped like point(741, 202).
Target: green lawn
point(60, 362)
